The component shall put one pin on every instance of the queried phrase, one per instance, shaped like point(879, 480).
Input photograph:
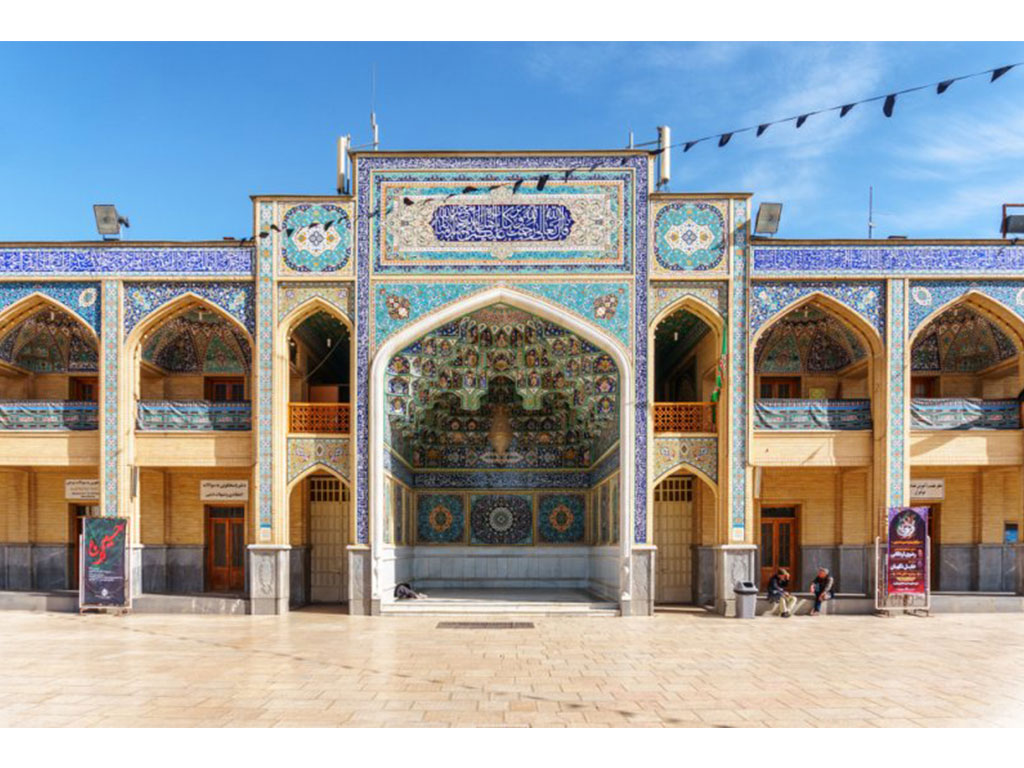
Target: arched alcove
point(507, 401)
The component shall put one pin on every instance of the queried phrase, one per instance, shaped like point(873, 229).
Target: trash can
point(746, 599)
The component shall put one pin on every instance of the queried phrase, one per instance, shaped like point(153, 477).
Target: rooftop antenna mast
point(373, 108)
point(871, 212)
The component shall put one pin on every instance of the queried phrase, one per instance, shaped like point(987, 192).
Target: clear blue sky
point(179, 135)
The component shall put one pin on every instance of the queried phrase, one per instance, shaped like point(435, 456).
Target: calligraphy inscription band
point(501, 223)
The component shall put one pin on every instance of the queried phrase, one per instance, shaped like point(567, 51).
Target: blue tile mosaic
point(317, 238)
point(235, 298)
point(930, 296)
point(440, 518)
point(561, 517)
point(866, 298)
point(163, 262)
point(690, 236)
point(82, 299)
point(887, 260)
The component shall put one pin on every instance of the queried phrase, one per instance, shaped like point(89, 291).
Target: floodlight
point(1013, 225)
point(768, 215)
point(108, 221)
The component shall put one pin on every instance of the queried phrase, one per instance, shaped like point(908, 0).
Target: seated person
point(778, 594)
point(823, 588)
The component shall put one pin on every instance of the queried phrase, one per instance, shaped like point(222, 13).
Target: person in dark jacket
point(823, 588)
point(778, 594)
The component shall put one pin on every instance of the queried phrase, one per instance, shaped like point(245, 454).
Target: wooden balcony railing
point(684, 417)
point(318, 417)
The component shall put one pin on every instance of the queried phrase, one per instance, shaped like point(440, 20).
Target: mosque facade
point(514, 372)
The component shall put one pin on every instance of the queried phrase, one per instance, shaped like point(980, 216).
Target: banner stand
point(886, 603)
point(103, 577)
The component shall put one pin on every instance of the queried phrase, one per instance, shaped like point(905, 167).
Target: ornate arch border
point(769, 300)
point(371, 474)
point(696, 449)
point(603, 303)
point(235, 299)
point(81, 300)
point(929, 298)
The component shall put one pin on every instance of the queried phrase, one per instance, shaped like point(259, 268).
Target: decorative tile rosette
point(501, 519)
point(317, 238)
point(440, 518)
point(689, 236)
point(560, 518)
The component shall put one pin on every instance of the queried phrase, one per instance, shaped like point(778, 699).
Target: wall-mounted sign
point(104, 574)
point(928, 490)
point(907, 559)
point(223, 490)
point(81, 490)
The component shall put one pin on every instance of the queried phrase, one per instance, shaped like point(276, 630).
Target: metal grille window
point(674, 489)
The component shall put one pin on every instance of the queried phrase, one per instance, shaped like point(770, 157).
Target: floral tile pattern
point(690, 236)
point(440, 518)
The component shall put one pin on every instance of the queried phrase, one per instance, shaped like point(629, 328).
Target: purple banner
point(906, 564)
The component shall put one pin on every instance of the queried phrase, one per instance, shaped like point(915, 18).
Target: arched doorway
point(500, 417)
point(818, 387)
point(49, 385)
point(189, 382)
point(966, 375)
point(320, 531)
point(684, 512)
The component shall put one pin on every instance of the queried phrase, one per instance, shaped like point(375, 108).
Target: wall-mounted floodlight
point(108, 221)
point(768, 215)
point(1012, 224)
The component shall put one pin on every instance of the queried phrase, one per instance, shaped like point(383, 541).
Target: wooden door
point(778, 544)
point(225, 546)
point(229, 389)
point(78, 513)
point(84, 388)
point(924, 386)
point(673, 535)
point(779, 387)
point(328, 536)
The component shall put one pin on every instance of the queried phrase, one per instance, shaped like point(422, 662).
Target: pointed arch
point(991, 309)
point(306, 309)
point(527, 302)
point(693, 469)
point(313, 469)
point(22, 309)
point(171, 308)
point(696, 306)
point(834, 306)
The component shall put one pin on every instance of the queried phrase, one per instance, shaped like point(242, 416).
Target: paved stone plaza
point(677, 669)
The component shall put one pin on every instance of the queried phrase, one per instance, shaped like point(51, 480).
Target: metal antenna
point(871, 212)
point(373, 107)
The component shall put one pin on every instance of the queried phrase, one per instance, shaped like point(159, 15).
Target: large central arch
point(383, 575)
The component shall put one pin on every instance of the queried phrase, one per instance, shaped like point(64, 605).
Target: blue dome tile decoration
point(317, 238)
point(440, 518)
point(689, 237)
point(560, 518)
point(503, 519)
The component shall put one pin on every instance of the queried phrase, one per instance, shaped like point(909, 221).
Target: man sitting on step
point(778, 594)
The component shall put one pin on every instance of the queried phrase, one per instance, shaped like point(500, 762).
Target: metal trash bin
point(746, 599)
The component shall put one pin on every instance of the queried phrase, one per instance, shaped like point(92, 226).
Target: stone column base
point(135, 569)
point(733, 562)
point(268, 579)
point(360, 582)
point(640, 600)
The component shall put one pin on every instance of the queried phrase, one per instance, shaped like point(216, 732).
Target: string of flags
point(888, 105)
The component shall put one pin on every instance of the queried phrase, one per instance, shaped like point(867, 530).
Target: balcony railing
point(940, 413)
point(193, 416)
point(684, 417)
point(812, 414)
point(49, 414)
point(318, 417)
